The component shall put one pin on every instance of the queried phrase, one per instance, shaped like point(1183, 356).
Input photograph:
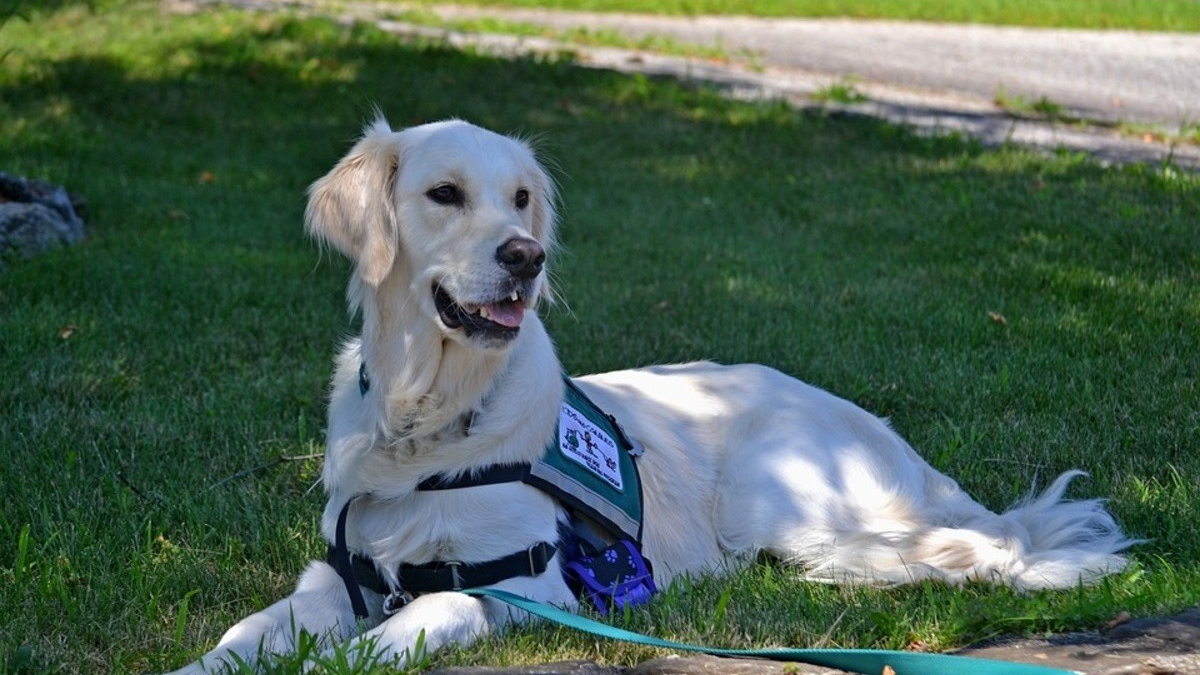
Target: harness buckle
point(455, 577)
point(396, 601)
point(537, 564)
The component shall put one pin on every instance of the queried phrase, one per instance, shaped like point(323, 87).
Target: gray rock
point(558, 668)
point(36, 217)
point(1182, 630)
point(1155, 646)
point(712, 665)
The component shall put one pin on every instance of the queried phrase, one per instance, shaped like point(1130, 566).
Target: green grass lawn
point(1164, 15)
point(1014, 315)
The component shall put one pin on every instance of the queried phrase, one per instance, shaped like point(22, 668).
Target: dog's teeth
point(483, 312)
point(514, 297)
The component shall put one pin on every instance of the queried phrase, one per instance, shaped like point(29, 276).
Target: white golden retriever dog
point(449, 227)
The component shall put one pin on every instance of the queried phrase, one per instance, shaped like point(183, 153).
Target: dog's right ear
point(352, 208)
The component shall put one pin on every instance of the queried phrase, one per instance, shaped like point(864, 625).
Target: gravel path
point(936, 78)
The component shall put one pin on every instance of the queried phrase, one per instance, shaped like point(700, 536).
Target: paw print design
point(610, 555)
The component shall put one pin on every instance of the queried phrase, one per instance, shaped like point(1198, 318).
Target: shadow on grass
point(1046, 307)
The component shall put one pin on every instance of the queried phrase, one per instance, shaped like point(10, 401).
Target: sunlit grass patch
point(163, 383)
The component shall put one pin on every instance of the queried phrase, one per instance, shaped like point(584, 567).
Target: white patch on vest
point(585, 444)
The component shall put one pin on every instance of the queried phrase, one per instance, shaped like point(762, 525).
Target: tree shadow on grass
point(850, 252)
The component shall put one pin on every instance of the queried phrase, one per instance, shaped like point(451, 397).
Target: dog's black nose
point(522, 257)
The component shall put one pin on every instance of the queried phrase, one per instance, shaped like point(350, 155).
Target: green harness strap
point(865, 661)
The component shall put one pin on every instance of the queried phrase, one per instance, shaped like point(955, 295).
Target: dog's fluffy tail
point(1043, 542)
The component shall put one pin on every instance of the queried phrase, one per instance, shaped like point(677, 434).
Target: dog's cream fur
point(738, 459)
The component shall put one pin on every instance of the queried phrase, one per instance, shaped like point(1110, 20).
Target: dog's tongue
point(507, 314)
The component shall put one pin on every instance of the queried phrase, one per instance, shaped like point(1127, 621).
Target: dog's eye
point(446, 195)
point(522, 198)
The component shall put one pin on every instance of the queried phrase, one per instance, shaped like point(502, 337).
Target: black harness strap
point(492, 475)
point(433, 577)
point(454, 576)
point(339, 557)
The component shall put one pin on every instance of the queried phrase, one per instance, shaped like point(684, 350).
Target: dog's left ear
point(352, 208)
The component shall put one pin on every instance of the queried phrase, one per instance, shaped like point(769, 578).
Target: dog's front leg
point(319, 607)
point(430, 622)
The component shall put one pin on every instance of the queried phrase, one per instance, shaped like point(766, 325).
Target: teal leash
point(865, 661)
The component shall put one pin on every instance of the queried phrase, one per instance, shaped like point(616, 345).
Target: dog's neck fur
point(423, 386)
point(427, 381)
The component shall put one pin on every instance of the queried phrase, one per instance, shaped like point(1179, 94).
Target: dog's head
point(462, 217)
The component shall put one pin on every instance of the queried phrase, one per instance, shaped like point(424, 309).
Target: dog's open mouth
point(499, 319)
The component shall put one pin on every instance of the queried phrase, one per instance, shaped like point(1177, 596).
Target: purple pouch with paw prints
point(617, 577)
